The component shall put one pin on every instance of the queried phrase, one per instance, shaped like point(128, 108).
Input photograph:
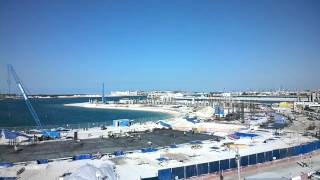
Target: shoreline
point(172, 114)
point(131, 107)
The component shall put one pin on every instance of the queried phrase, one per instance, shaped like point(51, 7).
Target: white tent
point(91, 172)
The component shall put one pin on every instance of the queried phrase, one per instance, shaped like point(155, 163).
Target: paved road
point(59, 149)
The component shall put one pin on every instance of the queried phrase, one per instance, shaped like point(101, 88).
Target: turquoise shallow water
point(14, 113)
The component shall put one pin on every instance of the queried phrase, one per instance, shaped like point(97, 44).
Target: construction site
point(206, 137)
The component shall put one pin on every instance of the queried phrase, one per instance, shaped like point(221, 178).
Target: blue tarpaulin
point(162, 159)
point(194, 120)
point(82, 156)
point(162, 123)
point(173, 146)
point(118, 153)
point(42, 161)
point(6, 164)
point(241, 134)
point(12, 134)
point(149, 149)
point(195, 142)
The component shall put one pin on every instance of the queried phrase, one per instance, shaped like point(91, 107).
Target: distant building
point(315, 96)
point(126, 93)
point(165, 94)
point(127, 101)
point(299, 106)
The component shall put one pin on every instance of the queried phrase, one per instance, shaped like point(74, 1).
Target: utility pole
point(9, 80)
point(102, 99)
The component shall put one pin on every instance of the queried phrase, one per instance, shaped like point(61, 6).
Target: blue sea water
point(51, 111)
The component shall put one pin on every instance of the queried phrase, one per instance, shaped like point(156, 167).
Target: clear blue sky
point(72, 46)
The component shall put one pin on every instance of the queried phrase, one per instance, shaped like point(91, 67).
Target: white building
point(124, 93)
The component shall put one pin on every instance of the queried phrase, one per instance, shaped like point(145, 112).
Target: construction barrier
point(178, 172)
point(149, 178)
point(8, 178)
point(203, 168)
point(228, 164)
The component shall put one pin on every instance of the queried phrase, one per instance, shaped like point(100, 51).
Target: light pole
point(237, 157)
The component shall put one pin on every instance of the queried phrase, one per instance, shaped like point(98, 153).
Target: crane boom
point(25, 97)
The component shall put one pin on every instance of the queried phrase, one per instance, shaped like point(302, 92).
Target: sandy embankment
point(133, 107)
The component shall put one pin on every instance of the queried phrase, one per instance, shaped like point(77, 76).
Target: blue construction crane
point(25, 96)
point(46, 133)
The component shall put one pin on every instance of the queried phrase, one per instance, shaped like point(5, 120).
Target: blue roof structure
point(12, 134)
point(52, 134)
point(121, 122)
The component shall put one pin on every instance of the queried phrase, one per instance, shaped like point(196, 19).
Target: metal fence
point(227, 164)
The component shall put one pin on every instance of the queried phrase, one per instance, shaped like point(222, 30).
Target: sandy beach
point(133, 107)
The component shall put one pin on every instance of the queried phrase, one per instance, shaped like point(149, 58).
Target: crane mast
point(25, 97)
